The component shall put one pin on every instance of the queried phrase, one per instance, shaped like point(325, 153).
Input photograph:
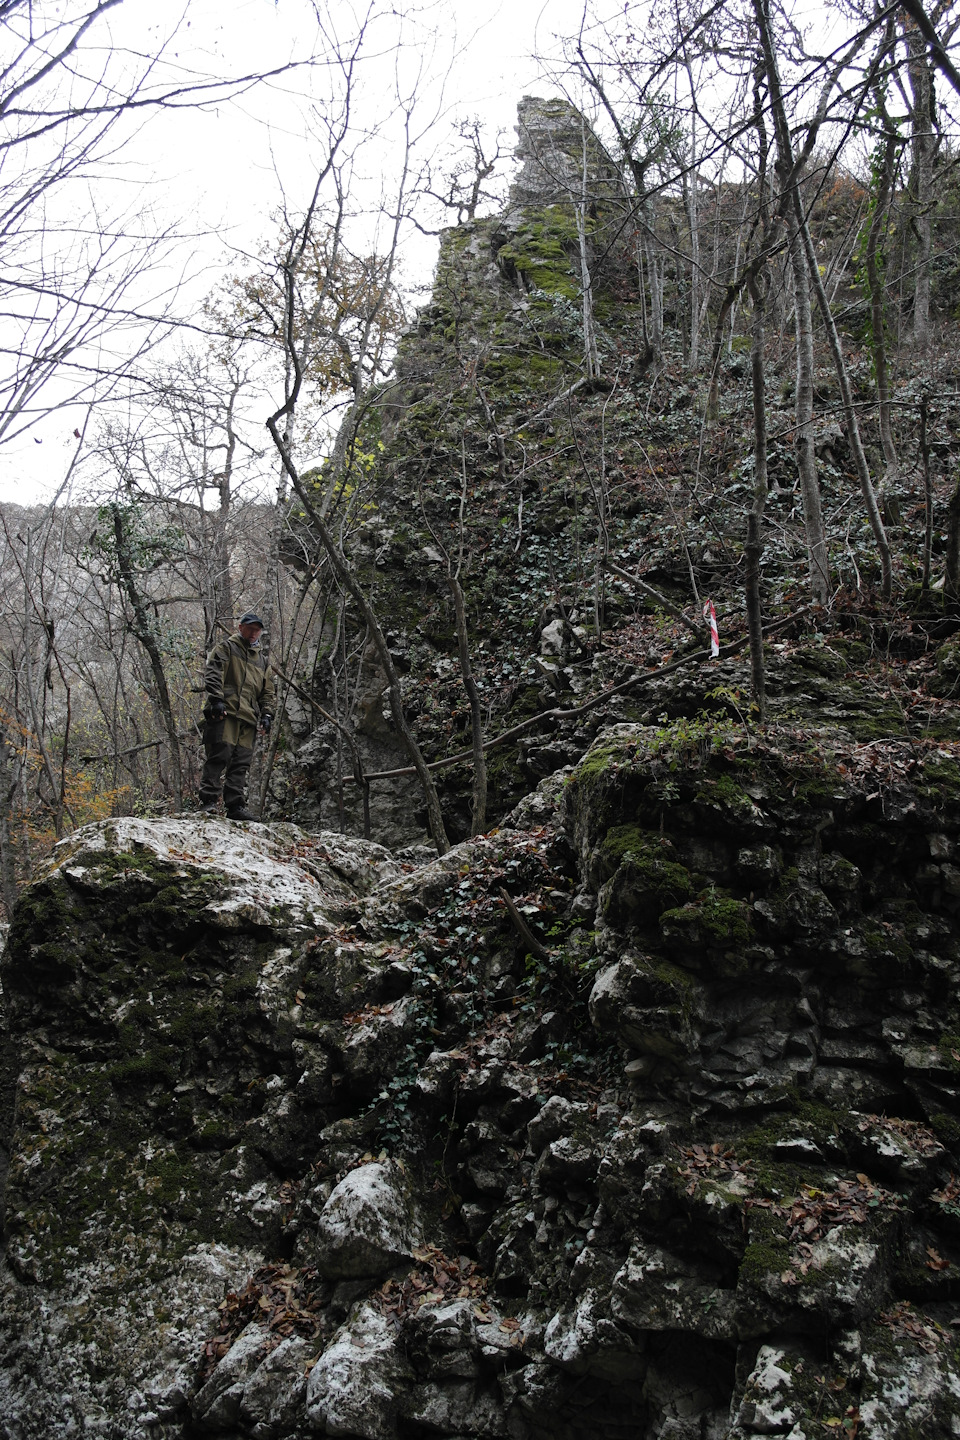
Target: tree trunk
point(492, 425)
point(339, 459)
point(818, 564)
point(478, 823)
point(691, 201)
point(754, 547)
point(655, 280)
point(221, 557)
point(922, 146)
point(8, 786)
point(878, 225)
point(753, 550)
point(590, 354)
point(849, 409)
point(789, 171)
point(951, 582)
point(56, 797)
point(345, 574)
point(927, 492)
point(145, 633)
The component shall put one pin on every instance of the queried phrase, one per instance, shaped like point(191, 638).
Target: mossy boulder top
point(251, 870)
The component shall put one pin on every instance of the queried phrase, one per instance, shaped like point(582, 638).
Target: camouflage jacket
point(237, 674)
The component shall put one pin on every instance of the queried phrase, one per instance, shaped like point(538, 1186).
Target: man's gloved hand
point(265, 722)
point(217, 710)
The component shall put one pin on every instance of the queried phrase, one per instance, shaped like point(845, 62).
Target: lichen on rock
point(370, 1137)
point(637, 1115)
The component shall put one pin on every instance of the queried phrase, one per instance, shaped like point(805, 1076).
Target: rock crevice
point(306, 1142)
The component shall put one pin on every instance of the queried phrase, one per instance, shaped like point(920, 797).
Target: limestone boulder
point(353, 1388)
point(655, 1290)
point(158, 1022)
point(368, 1224)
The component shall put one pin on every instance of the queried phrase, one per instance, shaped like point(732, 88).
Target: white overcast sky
point(474, 57)
point(219, 173)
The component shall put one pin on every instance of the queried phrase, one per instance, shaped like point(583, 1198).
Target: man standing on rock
point(240, 701)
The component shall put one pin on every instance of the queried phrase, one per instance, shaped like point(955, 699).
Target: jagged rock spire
point(553, 137)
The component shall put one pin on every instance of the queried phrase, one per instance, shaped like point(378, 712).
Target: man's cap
point(251, 619)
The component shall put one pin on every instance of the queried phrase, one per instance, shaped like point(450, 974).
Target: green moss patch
point(949, 1047)
point(647, 880)
point(714, 919)
point(805, 1119)
point(541, 251)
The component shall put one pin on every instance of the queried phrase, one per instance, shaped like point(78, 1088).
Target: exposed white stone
point(571, 1336)
point(374, 1044)
point(51, 1385)
point(555, 1119)
point(906, 1392)
point(455, 1409)
point(368, 1224)
point(352, 1389)
point(273, 1397)
point(551, 638)
point(768, 1406)
point(268, 868)
point(217, 1403)
point(852, 1274)
point(656, 1290)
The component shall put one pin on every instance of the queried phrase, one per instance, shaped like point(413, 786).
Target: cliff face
point(638, 1116)
point(306, 1141)
point(473, 453)
point(493, 451)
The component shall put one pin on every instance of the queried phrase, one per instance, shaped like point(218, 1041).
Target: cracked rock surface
point(303, 1140)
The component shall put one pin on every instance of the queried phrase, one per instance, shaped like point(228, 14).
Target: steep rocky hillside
point(639, 1116)
point(493, 452)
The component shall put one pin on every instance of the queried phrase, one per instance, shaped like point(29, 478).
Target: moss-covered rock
point(646, 877)
point(713, 920)
point(153, 992)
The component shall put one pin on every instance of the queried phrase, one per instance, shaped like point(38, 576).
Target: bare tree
point(84, 284)
point(299, 341)
point(467, 179)
point(454, 579)
point(186, 450)
point(129, 551)
point(883, 174)
point(789, 167)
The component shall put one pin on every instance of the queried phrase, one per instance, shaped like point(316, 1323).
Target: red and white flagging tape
point(710, 615)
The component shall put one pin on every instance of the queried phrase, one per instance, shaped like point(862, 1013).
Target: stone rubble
point(305, 1142)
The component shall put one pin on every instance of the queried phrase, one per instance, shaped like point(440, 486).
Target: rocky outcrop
point(307, 1141)
point(491, 365)
point(165, 1093)
point(554, 143)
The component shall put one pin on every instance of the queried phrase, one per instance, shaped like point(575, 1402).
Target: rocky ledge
point(638, 1117)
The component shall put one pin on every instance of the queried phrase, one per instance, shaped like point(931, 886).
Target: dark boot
point(242, 813)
